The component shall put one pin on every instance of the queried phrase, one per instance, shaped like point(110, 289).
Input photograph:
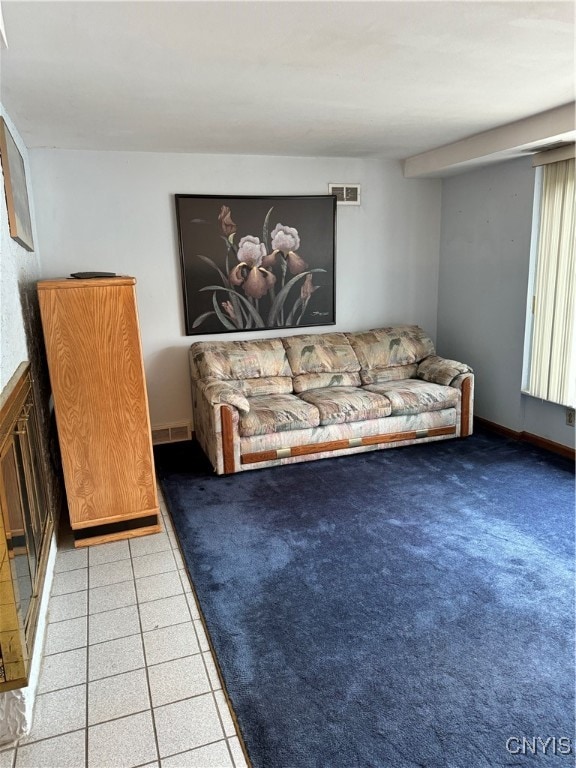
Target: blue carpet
point(401, 608)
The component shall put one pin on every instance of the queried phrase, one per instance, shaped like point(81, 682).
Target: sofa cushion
point(219, 392)
point(239, 359)
point(416, 396)
point(340, 405)
point(265, 385)
point(440, 370)
point(277, 413)
point(391, 347)
point(394, 373)
point(320, 353)
point(306, 381)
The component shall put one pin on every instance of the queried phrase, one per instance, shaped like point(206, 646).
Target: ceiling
point(359, 79)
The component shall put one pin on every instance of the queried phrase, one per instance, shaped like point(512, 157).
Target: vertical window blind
point(553, 345)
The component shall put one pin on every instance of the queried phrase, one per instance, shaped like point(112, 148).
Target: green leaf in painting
point(278, 303)
point(245, 303)
point(210, 263)
point(200, 319)
point(266, 227)
point(221, 316)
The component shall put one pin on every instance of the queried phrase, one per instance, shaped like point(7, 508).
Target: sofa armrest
point(216, 429)
point(465, 383)
point(439, 370)
point(219, 392)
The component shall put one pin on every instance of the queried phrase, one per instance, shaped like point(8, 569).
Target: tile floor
point(127, 676)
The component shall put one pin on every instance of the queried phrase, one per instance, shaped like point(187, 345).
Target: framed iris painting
point(19, 220)
point(257, 263)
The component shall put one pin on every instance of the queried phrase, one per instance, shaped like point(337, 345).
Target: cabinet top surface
point(94, 282)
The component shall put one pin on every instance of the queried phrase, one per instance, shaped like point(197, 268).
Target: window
point(550, 369)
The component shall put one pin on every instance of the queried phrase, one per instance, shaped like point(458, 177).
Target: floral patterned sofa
point(282, 400)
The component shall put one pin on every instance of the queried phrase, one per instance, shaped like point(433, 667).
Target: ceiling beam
point(498, 144)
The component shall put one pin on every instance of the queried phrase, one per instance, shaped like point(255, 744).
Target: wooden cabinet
point(26, 526)
point(95, 362)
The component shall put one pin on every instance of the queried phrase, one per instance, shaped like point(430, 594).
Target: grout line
point(220, 720)
point(168, 661)
point(47, 738)
point(75, 648)
point(230, 751)
point(194, 749)
point(87, 662)
point(187, 698)
point(120, 717)
point(146, 667)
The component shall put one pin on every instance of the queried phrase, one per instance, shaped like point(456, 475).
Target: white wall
point(114, 211)
point(483, 281)
point(17, 266)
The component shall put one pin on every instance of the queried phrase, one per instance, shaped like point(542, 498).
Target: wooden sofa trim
point(465, 428)
point(335, 445)
point(227, 439)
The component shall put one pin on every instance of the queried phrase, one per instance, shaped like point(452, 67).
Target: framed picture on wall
point(15, 186)
point(257, 263)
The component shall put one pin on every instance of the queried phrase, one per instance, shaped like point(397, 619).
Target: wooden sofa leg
point(465, 428)
point(227, 440)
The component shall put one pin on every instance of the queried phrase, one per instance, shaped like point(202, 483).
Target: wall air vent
point(346, 194)
point(171, 433)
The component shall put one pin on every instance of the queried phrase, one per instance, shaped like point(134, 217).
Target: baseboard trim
point(527, 437)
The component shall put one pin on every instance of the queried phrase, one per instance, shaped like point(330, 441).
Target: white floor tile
point(170, 643)
point(7, 758)
point(110, 573)
point(237, 753)
point(70, 581)
point(157, 562)
point(185, 579)
point(187, 724)
point(66, 635)
point(122, 743)
point(111, 597)
point(62, 607)
point(71, 560)
point(62, 670)
point(212, 671)
point(146, 545)
point(165, 612)
point(117, 696)
point(191, 600)
point(202, 639)
point(114, 624)
point(227, 722)
point(58, 712)
point(179, 559)
point(211, 756)
point(67, 751)
point(115, 657)
point(178, 679)
point(156, 587)
point(109, 553)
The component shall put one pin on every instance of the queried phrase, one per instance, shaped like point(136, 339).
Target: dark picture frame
point(19, 221)
point(257, 263)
